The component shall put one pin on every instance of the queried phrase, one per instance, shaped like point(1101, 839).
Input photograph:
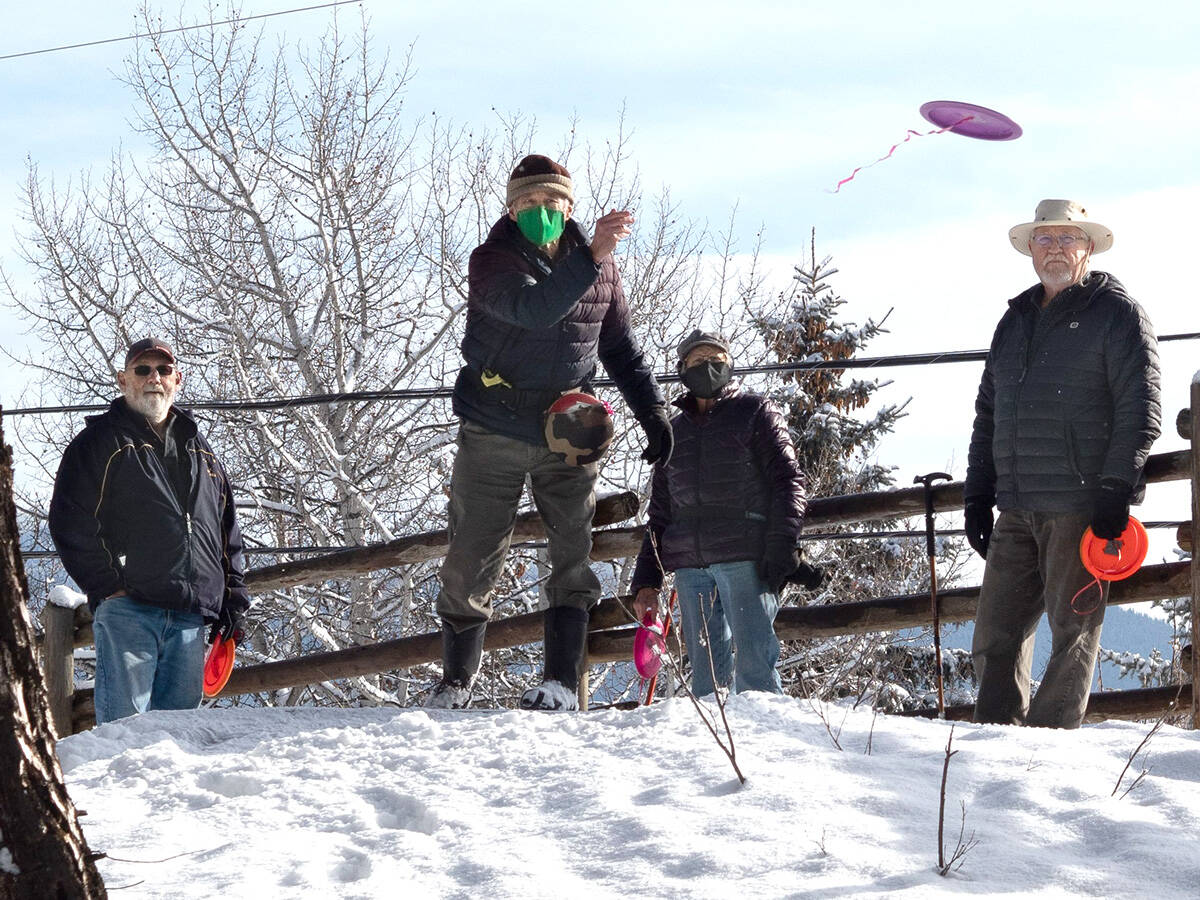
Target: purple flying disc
point(970, 120)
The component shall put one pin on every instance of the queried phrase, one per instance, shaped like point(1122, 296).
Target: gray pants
point(1033, 566)
point(485, 490)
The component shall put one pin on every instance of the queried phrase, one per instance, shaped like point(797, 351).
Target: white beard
point(153, 406)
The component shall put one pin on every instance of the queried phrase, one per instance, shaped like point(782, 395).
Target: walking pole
point(928, 481)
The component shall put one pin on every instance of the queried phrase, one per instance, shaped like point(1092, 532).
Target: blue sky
point(767, 105)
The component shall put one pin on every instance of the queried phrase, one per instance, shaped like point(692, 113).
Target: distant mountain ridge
point(1124, 629)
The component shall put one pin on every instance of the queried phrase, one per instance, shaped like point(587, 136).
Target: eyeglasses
point(1066, 241)
point(166, 370)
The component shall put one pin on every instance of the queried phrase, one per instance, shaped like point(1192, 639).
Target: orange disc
point(218, 666)
point(1116, 559)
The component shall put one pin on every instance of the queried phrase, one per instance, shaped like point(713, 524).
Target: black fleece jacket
point(120, 523)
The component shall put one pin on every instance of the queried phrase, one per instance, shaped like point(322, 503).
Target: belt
point(494, 388)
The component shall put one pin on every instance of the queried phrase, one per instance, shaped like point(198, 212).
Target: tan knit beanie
point(539, 173)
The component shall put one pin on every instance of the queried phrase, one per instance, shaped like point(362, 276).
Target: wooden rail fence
point(612, 631)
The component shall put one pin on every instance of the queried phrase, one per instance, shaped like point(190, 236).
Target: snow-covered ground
point(277, 803)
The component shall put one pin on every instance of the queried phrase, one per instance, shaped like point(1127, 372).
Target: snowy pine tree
point(837, 426)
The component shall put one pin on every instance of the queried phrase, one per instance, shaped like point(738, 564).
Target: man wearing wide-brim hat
point(1067, 411)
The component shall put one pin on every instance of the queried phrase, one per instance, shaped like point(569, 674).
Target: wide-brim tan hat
point(1061, 212)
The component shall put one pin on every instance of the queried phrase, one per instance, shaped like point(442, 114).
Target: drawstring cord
point(1111, 548)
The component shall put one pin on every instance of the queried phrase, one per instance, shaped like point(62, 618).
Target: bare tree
point(43, 853)
point(292, 230)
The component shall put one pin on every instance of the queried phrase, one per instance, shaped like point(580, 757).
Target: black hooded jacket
point(1069, 395)
point(123, 523)
point(732, 485)
point(542, 326)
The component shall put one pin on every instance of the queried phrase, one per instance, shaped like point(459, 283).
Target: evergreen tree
point(837, 426)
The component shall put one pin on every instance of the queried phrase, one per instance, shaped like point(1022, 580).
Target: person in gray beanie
point(1067, 410)
point(725, 513)
point(545, 308)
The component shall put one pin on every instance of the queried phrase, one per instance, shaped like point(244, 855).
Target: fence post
point(58, 665)
point(1195, 438)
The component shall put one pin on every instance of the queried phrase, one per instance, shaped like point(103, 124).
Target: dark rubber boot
point(564, 643)
point(564, 646)
point(461, 653)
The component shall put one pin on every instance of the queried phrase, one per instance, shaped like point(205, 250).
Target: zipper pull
point(188, 516)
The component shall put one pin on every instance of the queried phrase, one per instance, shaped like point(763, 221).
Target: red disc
point(218, 666)
point(1116, 559)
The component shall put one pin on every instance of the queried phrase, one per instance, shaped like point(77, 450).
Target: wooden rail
point(1138, 703)
point(612, 632)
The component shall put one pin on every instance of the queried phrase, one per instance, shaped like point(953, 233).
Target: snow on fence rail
point(612, 630)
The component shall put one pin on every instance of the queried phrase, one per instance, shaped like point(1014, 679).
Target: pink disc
point(970, 120)
point(648, 646)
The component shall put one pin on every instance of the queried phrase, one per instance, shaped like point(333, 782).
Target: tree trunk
point(43, 853)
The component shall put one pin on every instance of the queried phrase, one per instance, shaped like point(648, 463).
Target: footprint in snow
point(400, 811)
point(230, 784)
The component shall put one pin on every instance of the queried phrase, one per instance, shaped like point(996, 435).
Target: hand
point(779, 561)
point(645, 601)
point(228, 625)
point(808, 576)
point(978, 520)
point(1110, 510)
point(660, 440)
point(612, 227)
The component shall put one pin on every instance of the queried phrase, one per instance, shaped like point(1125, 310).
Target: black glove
point(779, 561)
point(978, 521)
point(1110, 510)
point(808, 576)
point(228, 625)
point(660, 441)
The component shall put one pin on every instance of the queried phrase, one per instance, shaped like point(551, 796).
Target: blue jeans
point(739, 612)
point(146, 658)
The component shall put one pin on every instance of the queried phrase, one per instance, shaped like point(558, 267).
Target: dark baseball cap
point(147, 345)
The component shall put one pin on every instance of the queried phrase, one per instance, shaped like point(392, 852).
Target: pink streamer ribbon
point(907, 137)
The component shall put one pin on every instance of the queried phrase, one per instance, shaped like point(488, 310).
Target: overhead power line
point(134, 37)
point(434, 393)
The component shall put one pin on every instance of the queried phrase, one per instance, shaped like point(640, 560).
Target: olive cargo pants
point(485, 491)
point(1033, 566)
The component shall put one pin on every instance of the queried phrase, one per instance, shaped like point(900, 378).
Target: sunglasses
point(163, 369)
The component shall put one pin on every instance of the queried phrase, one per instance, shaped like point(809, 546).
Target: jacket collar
point(120, 410)
point(1076, 297)
point(506, 230)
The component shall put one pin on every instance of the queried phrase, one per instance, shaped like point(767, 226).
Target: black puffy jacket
point(118, 523)
point(1069, 395)
point(542, 325)
point(731, 485)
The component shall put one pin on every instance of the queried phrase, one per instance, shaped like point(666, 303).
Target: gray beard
point(155, 407)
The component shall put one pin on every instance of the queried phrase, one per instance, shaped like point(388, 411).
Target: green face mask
point(541, 225)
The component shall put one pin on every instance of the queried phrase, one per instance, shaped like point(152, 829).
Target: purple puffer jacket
point(542, 325)
point(731, 485)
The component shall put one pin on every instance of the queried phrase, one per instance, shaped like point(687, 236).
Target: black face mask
point(706, 379)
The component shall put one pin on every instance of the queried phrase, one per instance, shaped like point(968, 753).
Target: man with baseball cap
point(545, 305)
point(725, 514)
point(142, 516)
point(1065, 416)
